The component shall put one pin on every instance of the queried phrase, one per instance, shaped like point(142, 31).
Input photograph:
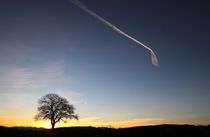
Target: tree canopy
point(55, 108)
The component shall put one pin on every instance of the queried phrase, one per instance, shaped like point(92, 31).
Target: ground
point(144, 131)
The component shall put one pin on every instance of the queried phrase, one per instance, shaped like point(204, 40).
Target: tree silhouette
point(55, 108)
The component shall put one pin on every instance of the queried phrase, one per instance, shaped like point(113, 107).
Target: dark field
point(144, 131)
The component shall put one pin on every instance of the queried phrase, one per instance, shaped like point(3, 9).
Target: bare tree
point(55, 108)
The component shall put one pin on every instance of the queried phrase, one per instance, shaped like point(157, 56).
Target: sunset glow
point(47, 125)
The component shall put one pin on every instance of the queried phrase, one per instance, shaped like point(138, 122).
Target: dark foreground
point(144, 131)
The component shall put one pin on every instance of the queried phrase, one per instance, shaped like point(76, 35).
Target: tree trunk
point(53, 125)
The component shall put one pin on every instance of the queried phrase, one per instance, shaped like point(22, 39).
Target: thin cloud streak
point(13, 76)
point(100, 122)
point(154, 59)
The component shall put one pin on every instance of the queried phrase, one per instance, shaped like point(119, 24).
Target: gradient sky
point(51, 46)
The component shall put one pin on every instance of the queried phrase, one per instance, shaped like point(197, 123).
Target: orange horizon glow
point(84, 122)
point(94, 122)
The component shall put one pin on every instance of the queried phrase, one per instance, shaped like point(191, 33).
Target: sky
point(52, 46)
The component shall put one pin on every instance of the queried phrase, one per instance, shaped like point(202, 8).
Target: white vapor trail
point(154, 59)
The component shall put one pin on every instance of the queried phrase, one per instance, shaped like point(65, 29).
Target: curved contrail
point(154, 59)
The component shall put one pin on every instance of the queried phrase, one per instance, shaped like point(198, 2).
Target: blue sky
point(53, 46)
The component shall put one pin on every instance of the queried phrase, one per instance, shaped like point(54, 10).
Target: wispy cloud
point(130, 122)
point(100, 122)
point(13, 76)
point(90, 119)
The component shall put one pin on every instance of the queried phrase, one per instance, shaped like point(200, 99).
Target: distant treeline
point(143, 131)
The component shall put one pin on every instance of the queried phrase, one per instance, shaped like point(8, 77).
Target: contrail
point(79, 4)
